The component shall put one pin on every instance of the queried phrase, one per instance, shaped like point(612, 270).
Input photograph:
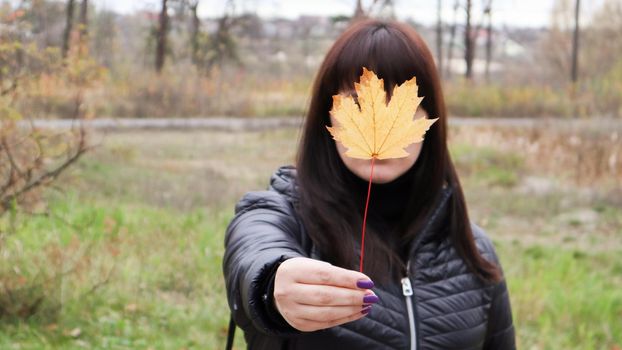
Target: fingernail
point(365, 284)
point(370, 299)
point(366, 310)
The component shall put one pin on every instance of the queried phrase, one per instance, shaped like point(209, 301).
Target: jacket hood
point(283, 181)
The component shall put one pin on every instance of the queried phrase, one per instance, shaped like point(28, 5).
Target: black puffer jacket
point(451, 308)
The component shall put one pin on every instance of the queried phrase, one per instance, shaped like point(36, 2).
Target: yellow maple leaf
point(375, 128)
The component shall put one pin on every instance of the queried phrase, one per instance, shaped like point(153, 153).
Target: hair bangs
point(386, 51)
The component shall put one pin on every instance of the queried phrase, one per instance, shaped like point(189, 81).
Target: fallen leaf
point(375, 128)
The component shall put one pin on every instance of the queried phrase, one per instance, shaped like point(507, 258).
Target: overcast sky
point(532, 13)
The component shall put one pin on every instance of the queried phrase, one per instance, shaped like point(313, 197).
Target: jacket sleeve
point(500, 327)
point(500, 334)
point(262, 234)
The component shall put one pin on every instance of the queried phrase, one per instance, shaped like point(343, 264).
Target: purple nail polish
point(370, 299)
point(366, 310)
point(365, 284)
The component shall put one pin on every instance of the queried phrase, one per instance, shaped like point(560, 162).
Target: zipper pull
point(407, 288)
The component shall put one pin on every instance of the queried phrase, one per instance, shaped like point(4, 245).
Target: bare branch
point(48, 175)
point(7, 151)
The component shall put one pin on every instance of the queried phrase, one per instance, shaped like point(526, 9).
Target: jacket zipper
point(407, 290)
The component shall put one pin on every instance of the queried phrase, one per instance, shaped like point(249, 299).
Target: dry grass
point(573, 155)
point(186, 169)
point(544, 185)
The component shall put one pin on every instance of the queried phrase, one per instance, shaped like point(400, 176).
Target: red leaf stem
point(371, 174)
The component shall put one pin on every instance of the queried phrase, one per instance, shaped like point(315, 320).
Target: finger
point(350, 318)
point(312, 325)
point(327, 314)
point(322, 295)
point(327, 274)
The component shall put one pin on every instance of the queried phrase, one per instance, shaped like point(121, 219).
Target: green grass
point(130, 256)
point(156, 273)
point(564, 299)
point(486, 166)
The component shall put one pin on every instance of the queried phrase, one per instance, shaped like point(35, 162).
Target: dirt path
point(255, 124)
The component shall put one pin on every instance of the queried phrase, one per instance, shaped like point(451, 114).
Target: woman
point(292, 251)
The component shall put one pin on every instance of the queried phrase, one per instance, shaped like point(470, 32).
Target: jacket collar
point(435, 220)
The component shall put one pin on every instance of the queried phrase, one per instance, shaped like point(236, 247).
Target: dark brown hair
point(395, 52)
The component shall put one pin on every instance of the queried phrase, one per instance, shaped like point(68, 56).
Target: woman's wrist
point(271, 309)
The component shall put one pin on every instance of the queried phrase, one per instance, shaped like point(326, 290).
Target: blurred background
point(129, 129)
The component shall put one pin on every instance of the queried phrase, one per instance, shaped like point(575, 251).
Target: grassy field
point(128, 255)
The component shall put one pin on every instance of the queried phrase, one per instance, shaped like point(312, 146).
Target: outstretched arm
point(261, 236)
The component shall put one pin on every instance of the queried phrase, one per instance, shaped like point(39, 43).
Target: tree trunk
point(452, 39)
point(68, 28)
point(468, 43)
point(574, 74)
point(358, 11)
point(84, 21)
point(161, 35)
point(439, 38)
point(489, 40)
point(196, 27)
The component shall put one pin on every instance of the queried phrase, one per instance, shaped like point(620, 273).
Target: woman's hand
point(312, 294)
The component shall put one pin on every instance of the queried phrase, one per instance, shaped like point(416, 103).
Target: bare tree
point(68, 28)
point(452, 38)
point(469, 47)
point(382, 8)
point(84, 23)
point(25, 160)
point(376, 8)
point(219, 48)
point(488, 12)
point(439, 37)
point(556, 46)
point(601, 42)
point(195, 29)
point(574, 73)
point(359, 12)
point(161, 37)
point(470, 36)
point(31, 159)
